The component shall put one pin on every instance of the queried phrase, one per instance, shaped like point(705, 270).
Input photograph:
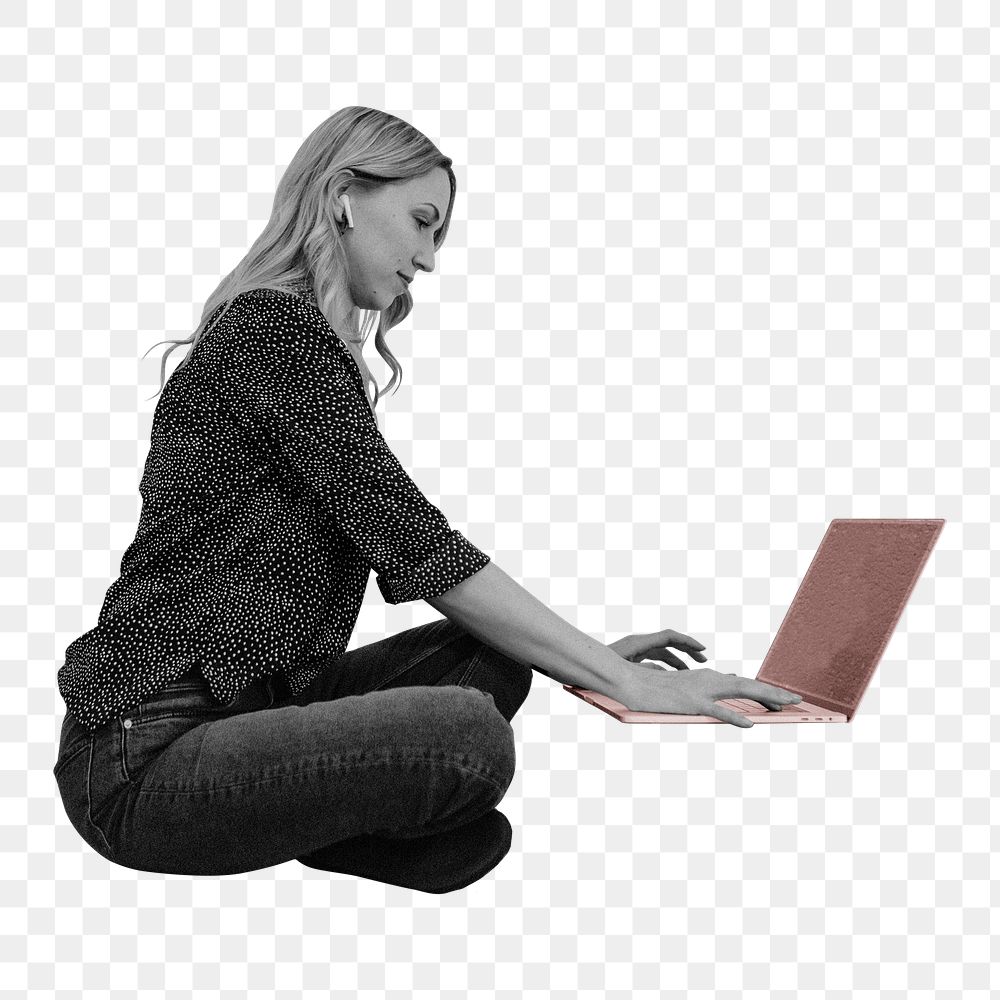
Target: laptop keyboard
point(746, 707)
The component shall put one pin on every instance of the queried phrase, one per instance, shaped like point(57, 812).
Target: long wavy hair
point(301, 244)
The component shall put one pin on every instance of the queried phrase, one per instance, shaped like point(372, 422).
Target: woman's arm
point(498, 611)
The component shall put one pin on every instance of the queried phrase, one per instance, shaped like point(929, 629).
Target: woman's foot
point(442, 862)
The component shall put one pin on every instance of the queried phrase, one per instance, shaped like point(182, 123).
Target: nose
point(424, 259)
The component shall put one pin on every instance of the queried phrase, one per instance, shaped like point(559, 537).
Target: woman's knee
point(469, 719)
point(492, 671)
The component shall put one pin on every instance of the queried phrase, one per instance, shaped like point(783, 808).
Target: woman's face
point(393, 234)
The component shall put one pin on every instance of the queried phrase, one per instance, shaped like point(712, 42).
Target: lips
point(406, 280)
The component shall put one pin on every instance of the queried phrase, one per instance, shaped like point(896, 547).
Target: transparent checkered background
point(717, 274)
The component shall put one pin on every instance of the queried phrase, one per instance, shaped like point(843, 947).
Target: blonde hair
point(301, 243)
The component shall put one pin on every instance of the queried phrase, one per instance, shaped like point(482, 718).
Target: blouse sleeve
point(285, 375)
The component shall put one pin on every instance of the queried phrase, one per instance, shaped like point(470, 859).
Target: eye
point(422, 223)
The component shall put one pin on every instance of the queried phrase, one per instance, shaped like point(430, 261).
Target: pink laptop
point(836, 629)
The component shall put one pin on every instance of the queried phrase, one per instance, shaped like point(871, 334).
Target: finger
point(666, 656)
point(760, 691)
point(765, 701)
point(686, 642)
point(769, 706)
point(728, 715)
point(662, 653)
point(770, 693)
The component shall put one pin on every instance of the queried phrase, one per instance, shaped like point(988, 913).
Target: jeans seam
point(474, 661)
point(90, 811)
point(324, 766)
point(424, 654)
point(121, 750)
point(178, 713)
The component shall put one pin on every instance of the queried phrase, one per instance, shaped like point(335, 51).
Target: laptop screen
point(847, 607)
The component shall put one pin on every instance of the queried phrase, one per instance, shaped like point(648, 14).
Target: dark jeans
point(391, 754)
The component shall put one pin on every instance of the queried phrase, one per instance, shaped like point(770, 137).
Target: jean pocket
point(72, 736)
point(144, 738)
point(175, 710)
point(72, 774)
point(68, 756)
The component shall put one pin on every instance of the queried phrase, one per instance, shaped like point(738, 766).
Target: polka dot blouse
point(268, 496)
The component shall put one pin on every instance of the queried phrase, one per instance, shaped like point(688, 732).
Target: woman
point(215, 723)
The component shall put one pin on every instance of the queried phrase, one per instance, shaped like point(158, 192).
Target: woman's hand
point(691, 693)
point(654, 645)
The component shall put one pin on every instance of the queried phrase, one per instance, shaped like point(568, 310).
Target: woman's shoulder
point(300, 289)
point(287, 316)
point(291, 306)
point(297, 290)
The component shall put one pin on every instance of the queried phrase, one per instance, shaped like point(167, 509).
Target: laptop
point(836, 628)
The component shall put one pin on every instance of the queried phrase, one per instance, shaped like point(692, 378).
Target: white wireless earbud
point(347, 211)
